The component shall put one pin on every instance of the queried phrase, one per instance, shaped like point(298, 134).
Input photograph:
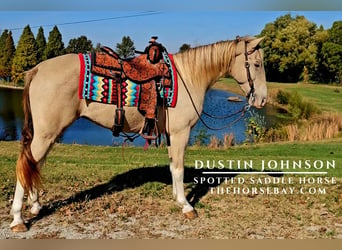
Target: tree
point(79, 45)
point(98, 47)
point(41, 44)
point(25, 56)
point(184, 47)
point(289, 48)
point(126, 48)
point(3, 38)
point(7, 58)
point(320, 38)
point(332, 54)
point(55, 45)
point(335, 33)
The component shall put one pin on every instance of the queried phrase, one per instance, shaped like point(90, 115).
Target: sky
point(194, 24)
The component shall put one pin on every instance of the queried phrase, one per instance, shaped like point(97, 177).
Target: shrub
point(256, 127)
point(201, 138)
point(214, 142)
point(299, 108)
point(283, 97)
point(228, 140)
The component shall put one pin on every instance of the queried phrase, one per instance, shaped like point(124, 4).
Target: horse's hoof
point(35, 210)
point(19, 228)
point(191, 214)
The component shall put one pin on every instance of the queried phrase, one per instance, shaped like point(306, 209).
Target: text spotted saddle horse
point(148, 70)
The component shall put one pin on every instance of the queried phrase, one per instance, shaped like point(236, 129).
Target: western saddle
point(147, 69)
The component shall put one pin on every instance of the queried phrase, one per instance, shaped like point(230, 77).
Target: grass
point(88, 185)
point(299, 112)
point(12, 85)
point(326, 97)
point(82, 167)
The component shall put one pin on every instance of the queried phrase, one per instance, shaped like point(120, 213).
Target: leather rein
point(242, 111)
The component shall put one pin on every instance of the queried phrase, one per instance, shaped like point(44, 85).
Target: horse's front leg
point(179, 142)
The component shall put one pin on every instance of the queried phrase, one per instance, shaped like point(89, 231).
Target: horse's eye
point(257, 65)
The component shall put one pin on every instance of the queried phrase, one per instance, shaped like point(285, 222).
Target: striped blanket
point(103, 90)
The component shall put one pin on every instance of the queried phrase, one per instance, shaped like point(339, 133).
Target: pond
point(84, 131)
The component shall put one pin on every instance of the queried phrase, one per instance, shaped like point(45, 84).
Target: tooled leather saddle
point(148, 70)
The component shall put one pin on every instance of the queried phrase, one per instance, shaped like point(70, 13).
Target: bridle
point(251, 93)
point(242, 111)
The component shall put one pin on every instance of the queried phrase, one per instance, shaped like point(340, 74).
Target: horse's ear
point(240, 47)
point(253, 44)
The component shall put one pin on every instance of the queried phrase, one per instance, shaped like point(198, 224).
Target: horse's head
point(248, 70)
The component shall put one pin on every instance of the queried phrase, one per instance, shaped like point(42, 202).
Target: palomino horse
point(51, 104)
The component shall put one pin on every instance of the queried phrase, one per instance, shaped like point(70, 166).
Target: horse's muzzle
point(256, 102)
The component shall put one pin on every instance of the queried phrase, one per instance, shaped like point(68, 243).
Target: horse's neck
point(202, 67)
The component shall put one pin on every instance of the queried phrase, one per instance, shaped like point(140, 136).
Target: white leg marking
point(17, 205)
point(176, 153)
point(34, 200)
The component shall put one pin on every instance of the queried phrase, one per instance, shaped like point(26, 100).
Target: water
point(84, 131)
point(11, 114)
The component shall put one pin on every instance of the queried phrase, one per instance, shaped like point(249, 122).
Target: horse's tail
point(27, 169)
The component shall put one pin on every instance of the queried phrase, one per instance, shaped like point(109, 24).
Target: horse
point(51, 104)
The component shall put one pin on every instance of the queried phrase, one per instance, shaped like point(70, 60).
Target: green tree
point(41, 44)
point(332, 54)
point(335, 33)
point(184, 47)
point(25, 56)
point(126, 48)
point(79, 45)
point(3, 38)
point(7, 58)
point(289, 47)
point(97, 47)
point(320, 38)
point(55, 45)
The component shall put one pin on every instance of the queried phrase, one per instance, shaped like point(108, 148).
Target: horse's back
point(58, 70)
point(53, 90)
point(58, 75)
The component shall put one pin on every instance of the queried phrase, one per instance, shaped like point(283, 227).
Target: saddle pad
point(100, 89)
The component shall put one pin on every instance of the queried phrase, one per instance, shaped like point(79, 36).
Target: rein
point(242, 111)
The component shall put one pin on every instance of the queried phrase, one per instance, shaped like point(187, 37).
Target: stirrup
point(150, 129)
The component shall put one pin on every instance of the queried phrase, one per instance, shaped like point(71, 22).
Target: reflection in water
point(85, 132)
point(11, 114)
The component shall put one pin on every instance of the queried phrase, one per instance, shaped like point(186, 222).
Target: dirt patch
point(148, 212)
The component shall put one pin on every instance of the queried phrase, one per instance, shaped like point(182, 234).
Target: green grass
point(326, 97)
point(85, 166)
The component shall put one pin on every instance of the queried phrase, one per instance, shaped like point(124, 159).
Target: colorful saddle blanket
point(100, 89)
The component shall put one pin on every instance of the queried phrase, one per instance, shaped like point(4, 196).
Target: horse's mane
point(207, 62)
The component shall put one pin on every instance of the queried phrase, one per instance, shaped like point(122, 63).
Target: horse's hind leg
point(34, 201)
point(45, 134)
point(39, 148)
point(18, 224)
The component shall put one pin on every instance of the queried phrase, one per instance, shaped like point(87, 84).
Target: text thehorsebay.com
point(266, 177)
